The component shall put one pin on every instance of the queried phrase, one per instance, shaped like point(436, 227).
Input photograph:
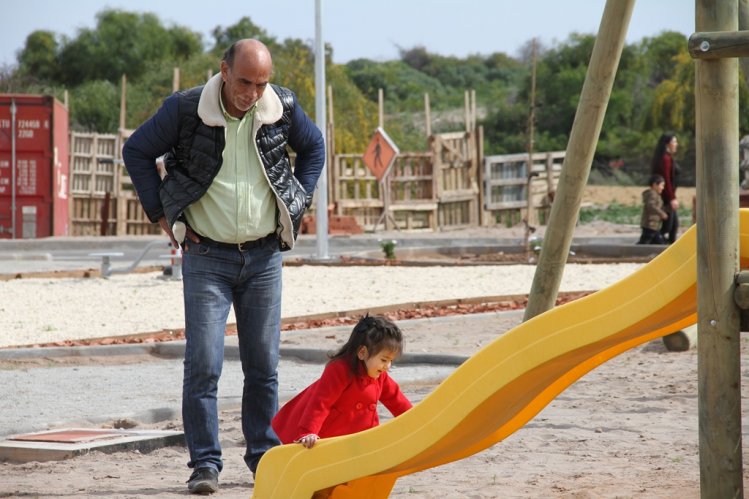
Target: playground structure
point(697, 279)
point(502, 387)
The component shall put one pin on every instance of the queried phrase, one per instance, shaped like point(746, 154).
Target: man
point(230, 186)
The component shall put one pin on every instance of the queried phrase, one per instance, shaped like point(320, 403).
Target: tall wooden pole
point(380, 108)
point(467, 109)
point(529, 215)
point(718, 364)
point(123, 103)
point(175, 80)
point(582, 144)
point(427, 116)
point(744, 25)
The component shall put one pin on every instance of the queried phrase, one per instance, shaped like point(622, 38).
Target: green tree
point(38, 58)
point(244, 28)
point(94, 106)
point(123, 43)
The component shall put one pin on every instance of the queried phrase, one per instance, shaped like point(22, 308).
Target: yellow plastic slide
point(502, 387)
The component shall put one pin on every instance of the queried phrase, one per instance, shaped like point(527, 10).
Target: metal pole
point(13, 208)
point(577, 161)
point(719, 343)
point(321, 220)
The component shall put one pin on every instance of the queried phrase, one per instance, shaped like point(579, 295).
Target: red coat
point(668, 172)
point(338, 403)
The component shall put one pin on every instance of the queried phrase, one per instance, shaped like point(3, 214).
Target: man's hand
point(165, 227)
point(674, 204)
point(308, 440)
point(189, 234)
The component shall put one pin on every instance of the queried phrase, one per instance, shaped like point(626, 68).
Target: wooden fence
point(431, 190)
point(508, 181)
point(449, 186)
point(102, 198)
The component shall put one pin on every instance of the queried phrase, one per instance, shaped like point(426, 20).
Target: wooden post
point(530, 219)
point(467, 110)
point(175, 80)
point(582, 144)
point(718, 346)
point(481, 174)
point(123, 103)
point(380, 109)
point(427, 116)
point(473, 110)
point(743, 26)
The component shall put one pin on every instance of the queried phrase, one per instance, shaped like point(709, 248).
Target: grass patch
point(613, 213)
point(617, 213)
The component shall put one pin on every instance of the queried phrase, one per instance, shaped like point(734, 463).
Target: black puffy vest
point(193, 164)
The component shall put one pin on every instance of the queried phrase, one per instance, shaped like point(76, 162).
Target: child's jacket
point(652, 210)
point(338, 403)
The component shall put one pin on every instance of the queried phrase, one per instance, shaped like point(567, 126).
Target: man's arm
point(307, 142)
point(157, 136)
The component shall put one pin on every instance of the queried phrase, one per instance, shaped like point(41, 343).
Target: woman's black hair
point(374, 332)
point(660, 150)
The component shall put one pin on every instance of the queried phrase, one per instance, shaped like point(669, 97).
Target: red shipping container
point(41, 150)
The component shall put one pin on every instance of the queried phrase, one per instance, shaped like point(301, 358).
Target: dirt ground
point(601, 195)
point(627, 429)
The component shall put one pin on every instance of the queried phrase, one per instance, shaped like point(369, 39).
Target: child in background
point(344, 399)
point(653, 214)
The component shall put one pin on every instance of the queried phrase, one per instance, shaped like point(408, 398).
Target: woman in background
point(664, 164)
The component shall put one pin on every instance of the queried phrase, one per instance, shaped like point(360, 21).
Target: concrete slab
point(59, 444)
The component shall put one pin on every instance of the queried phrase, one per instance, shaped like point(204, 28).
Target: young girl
point(344, 399)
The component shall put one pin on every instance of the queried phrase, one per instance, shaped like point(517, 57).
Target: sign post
point(379, 157)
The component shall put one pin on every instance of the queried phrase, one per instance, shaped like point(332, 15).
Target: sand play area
point(627, 429)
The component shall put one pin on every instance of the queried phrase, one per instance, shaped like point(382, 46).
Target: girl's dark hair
point(374, 332)
point(660, 150)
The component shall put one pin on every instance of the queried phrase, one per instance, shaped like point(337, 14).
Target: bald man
point(232, 202)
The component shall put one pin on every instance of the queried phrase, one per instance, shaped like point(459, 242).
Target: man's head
point(246, 69)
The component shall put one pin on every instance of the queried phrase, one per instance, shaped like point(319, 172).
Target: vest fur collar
point(269, 108)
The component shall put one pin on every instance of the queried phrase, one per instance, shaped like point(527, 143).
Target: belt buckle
point(239, 245)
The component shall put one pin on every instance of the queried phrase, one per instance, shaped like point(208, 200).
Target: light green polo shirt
point(239, 205)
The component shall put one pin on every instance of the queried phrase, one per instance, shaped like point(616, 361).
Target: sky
point(362, 28)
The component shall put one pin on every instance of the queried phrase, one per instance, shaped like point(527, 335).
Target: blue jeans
point(214, 278)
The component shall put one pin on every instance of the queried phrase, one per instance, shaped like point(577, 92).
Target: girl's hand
point(308, 440)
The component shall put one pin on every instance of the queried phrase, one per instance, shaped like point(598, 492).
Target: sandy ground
point(36, 311)
point(628, 429)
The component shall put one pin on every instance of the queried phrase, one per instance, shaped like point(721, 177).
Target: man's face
point(244, 83)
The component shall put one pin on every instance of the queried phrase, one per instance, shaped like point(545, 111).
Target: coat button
point(372, 407)
point(359, 405)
